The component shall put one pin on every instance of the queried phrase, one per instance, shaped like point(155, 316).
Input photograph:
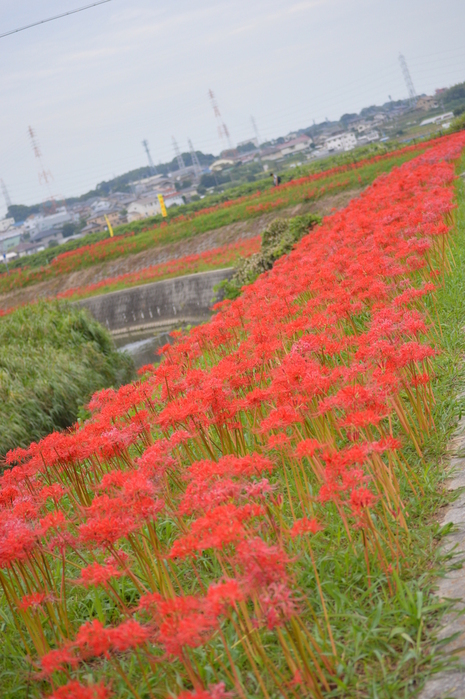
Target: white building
point(38, 222)
point(341, 141)
point(369, 137)
point(293, 145)
point(101, 206)
point(6, 224)
point(439, 119)
point(150, 205)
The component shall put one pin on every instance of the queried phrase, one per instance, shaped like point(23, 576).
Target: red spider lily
point(76, 690)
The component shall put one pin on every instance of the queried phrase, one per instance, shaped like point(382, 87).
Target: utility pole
point(408, 80)
point(181, 164)
point(153, 169)
point(195, 160)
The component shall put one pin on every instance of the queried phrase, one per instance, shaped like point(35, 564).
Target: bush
point(53, 357)
point(457, 124)
point(277, 240)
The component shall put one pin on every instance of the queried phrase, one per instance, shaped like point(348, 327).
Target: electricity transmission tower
point(408, 80)
point(257, 135)
point(45, 176)
point(6, 196)
point(153, 169)
point(195, 160)
point(181, 164)
point(222, 128)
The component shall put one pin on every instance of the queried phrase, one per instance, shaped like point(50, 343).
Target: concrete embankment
point(158, 306)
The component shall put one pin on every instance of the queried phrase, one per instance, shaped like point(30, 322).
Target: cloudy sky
point(95, 84)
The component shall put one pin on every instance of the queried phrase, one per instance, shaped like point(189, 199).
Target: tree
point(20, 212)
point(69, 229)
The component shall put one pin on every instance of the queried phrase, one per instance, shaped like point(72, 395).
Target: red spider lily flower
point(34, 600)
point(261, 564)
point(129, 634)
point(76, 690)
point(97, 574)
point(219, 527)
point(214, 691)
point(361, 499)
point(277, 604)
point(57, 659)
point(304, 526)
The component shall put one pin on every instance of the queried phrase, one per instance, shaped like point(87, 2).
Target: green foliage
point(277, 240)
point(457, 124)
point(69, 229)
point(20, 212)
point(53, 357)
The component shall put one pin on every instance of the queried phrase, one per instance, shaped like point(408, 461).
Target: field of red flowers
point(202, 533)
point(240, 209)
point(224, 256)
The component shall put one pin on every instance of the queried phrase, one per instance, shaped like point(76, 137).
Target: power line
point(51, 19)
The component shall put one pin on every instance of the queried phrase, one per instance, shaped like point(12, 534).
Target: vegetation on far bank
point(53, 357)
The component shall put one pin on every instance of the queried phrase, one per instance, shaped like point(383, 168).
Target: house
point(341, 141)
point(45, 236)
point(150, 205)
point(6, 224)
point(28, 248)
point(361, 127)
point(98, 222)
point(426, 103)
point(101, 205)
point(38, 222)
point(368, 137)
point(293, 145)
point(9, 239)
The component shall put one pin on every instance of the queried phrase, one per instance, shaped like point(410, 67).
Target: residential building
point(368, 137)
point(6, 224)
point(426, 103)
point(150, 205)
point(281, 150)
point(341, 141)
point(38, 222)
point(9, 240)
point(98, 222)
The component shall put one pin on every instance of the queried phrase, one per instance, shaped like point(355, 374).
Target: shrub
point(277, 240)
point(53, 357)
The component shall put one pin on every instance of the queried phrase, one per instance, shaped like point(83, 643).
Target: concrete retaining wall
point(158, 305)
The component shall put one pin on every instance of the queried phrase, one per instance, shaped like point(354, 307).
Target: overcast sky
point(95, 84)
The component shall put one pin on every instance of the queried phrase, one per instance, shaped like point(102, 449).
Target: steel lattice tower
point(195, 160)
point(408, 80)
point(181, 164)
point(153, 169)
point(222, 128)
point(257, 135)
point(6, 196)
point(45, 176)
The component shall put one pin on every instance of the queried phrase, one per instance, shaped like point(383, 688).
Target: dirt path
point(191, 246)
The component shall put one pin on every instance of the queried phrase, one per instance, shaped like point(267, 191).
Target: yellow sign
point(162, 205)
point(109, 225)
